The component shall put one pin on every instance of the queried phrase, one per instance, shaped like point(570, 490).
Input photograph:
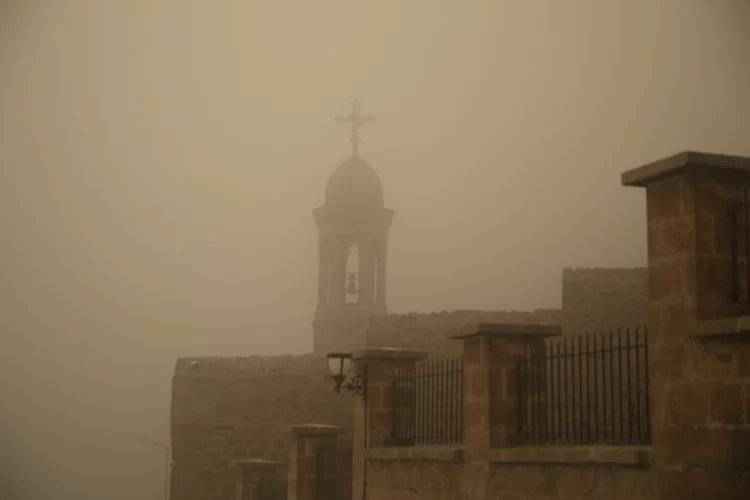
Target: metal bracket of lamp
point(339, 364)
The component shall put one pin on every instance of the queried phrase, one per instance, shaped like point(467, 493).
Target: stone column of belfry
point(323, 266)
point(366, 273)
point(381, 271)
point(339, 253)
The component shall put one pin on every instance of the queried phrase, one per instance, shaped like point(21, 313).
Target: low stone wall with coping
point(532, 473)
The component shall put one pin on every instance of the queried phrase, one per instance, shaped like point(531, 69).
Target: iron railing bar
point(747, 246)
point(646, 380)
point(567, 394)
point(596, 394)
point(532, 378)
point(547, 396)
point(559, 394)
point(580, 391)
point(519, 406)
point(588, 391)
point(638, 385)
point(630, 388)
point(619, 383)
point(612, 383)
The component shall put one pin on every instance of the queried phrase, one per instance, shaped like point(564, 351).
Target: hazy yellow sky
point(159, 162)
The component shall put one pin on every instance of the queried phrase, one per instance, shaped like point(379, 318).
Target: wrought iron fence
point(586, 389)
point(428, 403)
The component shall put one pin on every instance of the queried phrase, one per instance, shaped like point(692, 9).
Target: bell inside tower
point(352, 275)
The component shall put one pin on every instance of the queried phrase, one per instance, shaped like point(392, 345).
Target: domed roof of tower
point(354, 182)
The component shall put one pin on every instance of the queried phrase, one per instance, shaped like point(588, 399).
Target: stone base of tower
point(342, 329)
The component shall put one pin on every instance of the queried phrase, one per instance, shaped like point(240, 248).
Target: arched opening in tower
point(352, 275)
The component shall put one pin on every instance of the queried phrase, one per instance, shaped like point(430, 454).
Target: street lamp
point(339, 364)
point(166, 448)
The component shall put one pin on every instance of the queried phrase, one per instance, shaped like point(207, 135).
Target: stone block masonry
point(560, 474)
point(597, 300)
point(432, 332)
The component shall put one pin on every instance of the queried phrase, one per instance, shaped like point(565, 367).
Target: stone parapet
point(625, 456)
point(513, 331)
point(725, 327)
point(317, 430)
point(389, 354)
point(449, 453)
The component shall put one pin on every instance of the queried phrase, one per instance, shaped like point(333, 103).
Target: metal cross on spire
point(356, 120)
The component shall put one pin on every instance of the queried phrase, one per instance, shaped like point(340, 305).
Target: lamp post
point(339, 364)
point(168, 468)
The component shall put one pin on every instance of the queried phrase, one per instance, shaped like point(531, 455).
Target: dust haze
point(159, 162)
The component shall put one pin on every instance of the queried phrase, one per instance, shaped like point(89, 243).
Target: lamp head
point(339, 364)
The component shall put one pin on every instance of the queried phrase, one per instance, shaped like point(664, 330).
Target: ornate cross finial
point(355, 120)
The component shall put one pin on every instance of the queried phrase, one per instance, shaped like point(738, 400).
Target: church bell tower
point(353, 229)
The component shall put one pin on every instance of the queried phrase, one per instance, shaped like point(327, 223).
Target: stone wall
point(597, 300)
point(431, 332)
point(229, 409)
point(226, 409)
point(440, 474)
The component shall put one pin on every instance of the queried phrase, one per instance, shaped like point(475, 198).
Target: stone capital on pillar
point(307, 441)
point(689, 197)
point(491, 354)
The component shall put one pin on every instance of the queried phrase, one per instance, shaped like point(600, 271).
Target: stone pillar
point(256, 479)
point(701, 440)
point(491, 354)
point(307, 441)
point(381, 366)
point(373, 417)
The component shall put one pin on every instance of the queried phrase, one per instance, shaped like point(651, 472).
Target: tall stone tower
point(353, 229)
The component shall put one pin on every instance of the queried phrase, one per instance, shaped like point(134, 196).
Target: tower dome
point(354, 182)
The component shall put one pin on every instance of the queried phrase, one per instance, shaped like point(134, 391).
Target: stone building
point(685, 433)
point(227, 412)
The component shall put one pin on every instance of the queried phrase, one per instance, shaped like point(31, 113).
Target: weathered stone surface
point(596, 300)
point(230, 409)
point(433, 332)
